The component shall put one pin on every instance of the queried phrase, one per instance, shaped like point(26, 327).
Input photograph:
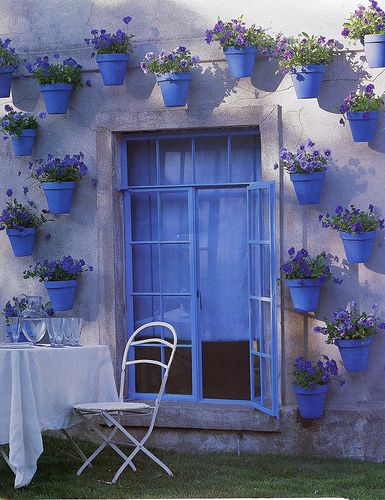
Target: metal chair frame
point(112, 417)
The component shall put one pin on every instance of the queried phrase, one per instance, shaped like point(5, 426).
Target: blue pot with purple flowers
point(363, 125)
point(59, 196)
point(304, 293)
point(308, 187)
point(22, 144)
point(358, 246)
point(240, 60)
point(307, 80)
point(374, 46)
point(22, 241)
point(175, 88)
point(311, 402)
point(113, 67)
point(6, 75)
point(56, 97)
point(354, 353)
point(62, 294)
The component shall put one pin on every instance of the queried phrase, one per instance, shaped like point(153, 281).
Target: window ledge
point(208, 416)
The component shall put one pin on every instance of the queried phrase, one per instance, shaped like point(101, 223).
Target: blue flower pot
point(304, 294)
point(311, 402)
point(62, 294)
point(374, 46)
point(22, 145)
point(56, 97)
point(307, 80)
point(6, 73)
point(363, 125)
point(113, 67)
point(358, 247)
point(59, 196)
point(240, 60)
point(174, 88)
point(354, 353)
point(22, 242)
point(308, 187)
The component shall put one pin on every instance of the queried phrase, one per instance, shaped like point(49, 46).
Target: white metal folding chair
point(112, 411)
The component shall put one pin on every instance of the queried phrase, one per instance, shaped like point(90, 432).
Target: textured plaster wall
point(39, 28)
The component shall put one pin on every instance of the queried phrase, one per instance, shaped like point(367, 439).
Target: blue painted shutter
point(262, 297)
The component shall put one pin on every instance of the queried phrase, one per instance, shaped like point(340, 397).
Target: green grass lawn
point(210, 475)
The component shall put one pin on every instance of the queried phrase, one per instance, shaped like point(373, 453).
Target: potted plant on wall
point(311, 383)
point(358, 229)
point(240, 44)
point(58, 178)
point(352, 331)
point(21, 128)
point(8, 64)
point(367, 24)
point(21, 226)
point(306, 168)
point(112, 53)
point(304, 275)
point(305, 58)
point(57, 81)
point(15, 307)
point(361, 110)
point(172, 73)
point(61, 278)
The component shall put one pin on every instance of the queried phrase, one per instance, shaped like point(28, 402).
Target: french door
point(202, 258)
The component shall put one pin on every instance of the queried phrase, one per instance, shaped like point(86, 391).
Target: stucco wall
point(39, 28)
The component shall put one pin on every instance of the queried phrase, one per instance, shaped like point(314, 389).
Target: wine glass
point(14, 325)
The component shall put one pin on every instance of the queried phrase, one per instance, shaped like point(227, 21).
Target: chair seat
point(110, 406)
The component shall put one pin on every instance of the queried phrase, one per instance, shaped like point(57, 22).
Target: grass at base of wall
point(210, 475)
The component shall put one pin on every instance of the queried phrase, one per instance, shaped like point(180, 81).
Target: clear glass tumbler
point(14, 325)
point(55, 331)
point(73, 330)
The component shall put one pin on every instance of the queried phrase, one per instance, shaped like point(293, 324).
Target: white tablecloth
point(37, 390)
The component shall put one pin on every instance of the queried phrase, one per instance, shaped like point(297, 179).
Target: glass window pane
point(175, 268)
point(180, 376)
point(254, 324)
point(177, 312)
point(141, 163)
point(146, 310)
point(256, 377)
point(245, 153)
point(211, 160)
point(175, 161)
point(145, 268)
point(174, 216)
point(267, 382)
point(259, 214)
point(255, 270)
point(226, 370)
point(144, 217)
point(148, 377)
point(266, 327)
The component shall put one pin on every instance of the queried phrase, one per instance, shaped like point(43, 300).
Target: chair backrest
point(132, 342)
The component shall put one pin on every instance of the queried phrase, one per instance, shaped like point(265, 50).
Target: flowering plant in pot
point(13, 308)
point(351, 330)
point(358, 229)
point(57, 81)
point(304, 276)
point(305, 58)
point(172, 72)
point(112, 53)
point(311, 382)
point(361, 110)
point(8, 64)
point(60, 277)
point(240, 44)
point(367, 24)
point(306, 167)
point(21, 128)
point(58, 178)
point(21, 224)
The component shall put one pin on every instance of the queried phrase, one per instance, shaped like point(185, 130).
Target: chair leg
point(80, 454)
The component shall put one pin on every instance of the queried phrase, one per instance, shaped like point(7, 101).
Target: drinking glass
point(55, 331)
point(33, 328)
point(14, 325)
point(72, 330)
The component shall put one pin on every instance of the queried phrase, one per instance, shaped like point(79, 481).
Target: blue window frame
point(200, 254)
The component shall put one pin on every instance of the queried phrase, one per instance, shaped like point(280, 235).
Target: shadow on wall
point(342, 77)
point(264, 77)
